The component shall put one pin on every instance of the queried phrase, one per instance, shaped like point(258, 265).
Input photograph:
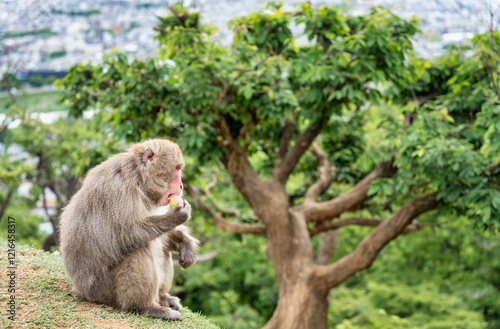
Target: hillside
point(43, 299)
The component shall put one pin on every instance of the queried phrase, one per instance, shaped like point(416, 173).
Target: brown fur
point(114, 251)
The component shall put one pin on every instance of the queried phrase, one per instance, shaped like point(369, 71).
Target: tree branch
point(332, 275)
point(46, 208)
point(422, 99)
point(286, 137)
point(242, 174)
point(283, 169)
point(5, 125)
point(327, 174)
point(330, 225)
point(233, 227)
point(211, 185)
point(71, 188)
point(326, 226)
point(206, 191)
point(327, 246)
point(494, 169)
point(492, 71)
point(6, 201)
point(317, 212)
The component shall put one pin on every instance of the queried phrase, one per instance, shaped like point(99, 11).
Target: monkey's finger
point(187, 208)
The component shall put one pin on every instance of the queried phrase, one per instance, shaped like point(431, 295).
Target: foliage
point(16, 34)
point(459, 262)
point(436, 268)
point(37, 80)
point(244, 84)
point(90, 12)
point(12, 169)
point(257, 83)
point(9, 80)
point(454, 142)
point(250, 292)
point(27, 222)
point(63, 152)
point(400, 306)
point(66, 146)
point(49, 156)
point(55, 54)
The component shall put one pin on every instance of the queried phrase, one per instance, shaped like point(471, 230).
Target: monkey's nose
point(182, 186)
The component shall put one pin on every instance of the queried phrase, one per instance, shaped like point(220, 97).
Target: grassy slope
point(43, 299)
point(39, 101)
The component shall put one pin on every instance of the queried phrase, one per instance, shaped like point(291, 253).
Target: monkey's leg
point(137, 287)
point(168, 300)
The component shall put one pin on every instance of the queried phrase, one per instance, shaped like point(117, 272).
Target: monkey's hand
point(179, 215)
point(187, 252)
point(167, 222)
point(181, 241)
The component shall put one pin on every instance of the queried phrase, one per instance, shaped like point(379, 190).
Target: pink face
point(175, 187)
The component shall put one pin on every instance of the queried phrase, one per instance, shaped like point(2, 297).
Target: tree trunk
point(51, 240)
point(6, 202)
point(302, 300)
point(302, 307)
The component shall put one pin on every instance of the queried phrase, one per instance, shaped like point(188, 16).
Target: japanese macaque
point(116, 242)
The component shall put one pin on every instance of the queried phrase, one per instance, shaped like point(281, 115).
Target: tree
point(273, 113)
point(8, 81)
point(36, 80)
point(55, 157)
point(11, 171)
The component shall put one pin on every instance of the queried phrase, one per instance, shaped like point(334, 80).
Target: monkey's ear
point(149, 155)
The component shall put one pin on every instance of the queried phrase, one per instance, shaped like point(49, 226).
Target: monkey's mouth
point(166, 198)
point(169, 197)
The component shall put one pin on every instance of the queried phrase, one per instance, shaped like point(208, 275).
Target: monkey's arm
point(181, 241)
point(152, 227)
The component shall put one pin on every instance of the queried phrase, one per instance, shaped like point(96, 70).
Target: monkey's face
point(175, 186)
point(160, 162)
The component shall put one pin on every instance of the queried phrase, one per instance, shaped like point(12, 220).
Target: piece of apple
point(175, 200)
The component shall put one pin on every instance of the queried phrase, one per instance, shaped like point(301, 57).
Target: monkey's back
point(92, 224)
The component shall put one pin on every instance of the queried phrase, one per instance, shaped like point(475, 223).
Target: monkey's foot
point(161, 312)
point(171, 301)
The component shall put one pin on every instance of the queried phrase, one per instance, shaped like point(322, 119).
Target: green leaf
point(373, 189)
point(247, 92)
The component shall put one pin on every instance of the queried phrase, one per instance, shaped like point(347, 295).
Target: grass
point(39, 101)
point(43, 299)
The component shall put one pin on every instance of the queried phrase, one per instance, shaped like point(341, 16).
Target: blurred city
point(47, 37)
